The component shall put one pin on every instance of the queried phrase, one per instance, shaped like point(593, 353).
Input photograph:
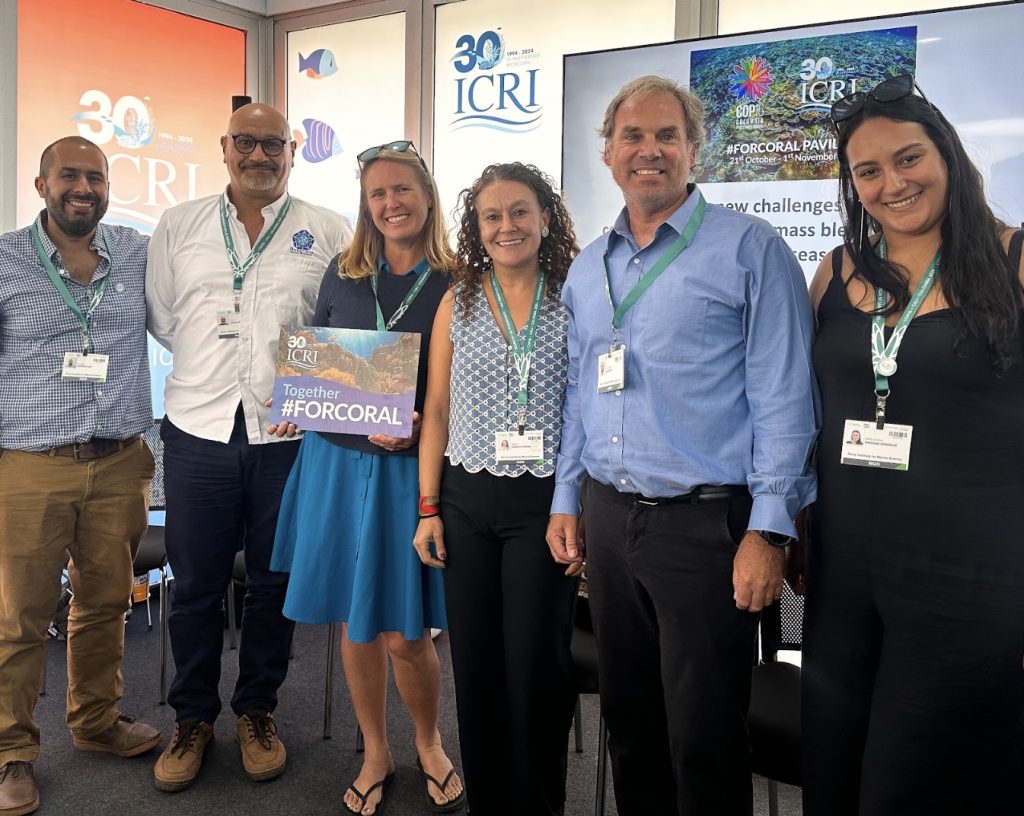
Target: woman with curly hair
point(346, 516)
point(494, 408)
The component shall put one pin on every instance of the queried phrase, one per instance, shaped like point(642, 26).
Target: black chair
point(584, 662)
point(774, 716)
point(152, 553)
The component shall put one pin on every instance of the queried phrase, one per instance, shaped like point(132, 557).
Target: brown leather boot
point(179, 764)
point(125, 738)
point(263, 755)
point(18, 792)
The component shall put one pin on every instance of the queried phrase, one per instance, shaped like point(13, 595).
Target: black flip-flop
point(442, 807)
point(383, 784)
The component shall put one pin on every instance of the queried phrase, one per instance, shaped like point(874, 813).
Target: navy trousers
point(222, 498)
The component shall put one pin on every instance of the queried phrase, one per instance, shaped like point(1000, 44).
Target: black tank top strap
point(1013, 253)
point(837, 262)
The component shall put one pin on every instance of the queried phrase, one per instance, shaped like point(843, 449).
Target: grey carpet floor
point(319, 770)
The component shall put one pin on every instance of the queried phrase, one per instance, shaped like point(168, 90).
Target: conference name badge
point(510, 446)
point(864, 445)
point(228, 323)
point(80, 367)
point(611, 370)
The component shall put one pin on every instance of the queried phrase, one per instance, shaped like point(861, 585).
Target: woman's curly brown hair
point(557, 249)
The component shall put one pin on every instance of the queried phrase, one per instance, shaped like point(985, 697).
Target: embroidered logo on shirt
point(302, 243)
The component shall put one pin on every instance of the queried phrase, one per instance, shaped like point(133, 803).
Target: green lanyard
point(521, 351)
point(421, 281)
point(642, 285)
point(239, 268)
point(84, 318)
point(883, 355)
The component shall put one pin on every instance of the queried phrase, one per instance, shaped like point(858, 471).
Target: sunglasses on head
point(401, 146)
point(888, 90)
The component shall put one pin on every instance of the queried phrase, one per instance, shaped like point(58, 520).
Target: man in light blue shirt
point(689, 421)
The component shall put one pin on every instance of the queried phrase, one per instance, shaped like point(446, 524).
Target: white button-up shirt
point(189, 280)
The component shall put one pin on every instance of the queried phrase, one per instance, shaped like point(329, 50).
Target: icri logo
point(498, 100)
point(820, 86)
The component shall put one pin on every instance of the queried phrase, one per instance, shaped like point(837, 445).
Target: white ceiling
point(271, 8)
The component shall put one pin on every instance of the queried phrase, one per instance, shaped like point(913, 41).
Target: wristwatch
point(775, 539)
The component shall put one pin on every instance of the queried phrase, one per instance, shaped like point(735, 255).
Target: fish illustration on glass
point(319, 64)
point(319, 142)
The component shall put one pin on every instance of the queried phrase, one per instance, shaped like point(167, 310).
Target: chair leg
point(773, 798)
point(232, 629)
point(602, 766)
point(577, 722)
point(163, 635)
point(332, 634)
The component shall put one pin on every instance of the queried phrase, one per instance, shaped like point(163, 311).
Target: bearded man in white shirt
point(224, 273)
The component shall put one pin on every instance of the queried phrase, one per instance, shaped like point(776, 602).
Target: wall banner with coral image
point(767, 104)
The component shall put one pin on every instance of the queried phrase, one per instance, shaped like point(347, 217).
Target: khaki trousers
point(96, 513)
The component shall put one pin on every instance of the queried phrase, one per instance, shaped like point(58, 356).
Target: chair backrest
point(782, 624)
point(156, 445)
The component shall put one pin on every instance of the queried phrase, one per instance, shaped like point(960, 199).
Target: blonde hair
point(359, 258)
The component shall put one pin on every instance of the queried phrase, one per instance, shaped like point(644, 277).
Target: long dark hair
point(556, 252)
point(982, 290)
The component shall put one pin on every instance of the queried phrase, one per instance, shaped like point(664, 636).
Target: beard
point(260, 182)
point(76, 225)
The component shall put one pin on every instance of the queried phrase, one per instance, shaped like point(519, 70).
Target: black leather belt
point(95, 448)
point(699, 495)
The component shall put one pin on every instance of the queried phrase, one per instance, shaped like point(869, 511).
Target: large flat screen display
point(770, 150)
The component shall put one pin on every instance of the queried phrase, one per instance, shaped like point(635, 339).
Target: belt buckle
point(77, 452)
point(648, 502)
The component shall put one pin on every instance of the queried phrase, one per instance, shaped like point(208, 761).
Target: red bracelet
point(430, 506)
point(429, 515)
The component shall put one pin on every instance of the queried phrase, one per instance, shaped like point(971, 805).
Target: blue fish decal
point(319, 64)
point(319, 143)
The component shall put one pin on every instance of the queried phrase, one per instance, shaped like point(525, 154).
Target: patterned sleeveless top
point(485, 381)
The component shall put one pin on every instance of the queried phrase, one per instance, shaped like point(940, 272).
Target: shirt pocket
point(296, 284)
point(674, 324)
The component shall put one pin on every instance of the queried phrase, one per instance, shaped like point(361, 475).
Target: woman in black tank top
point(914, 631)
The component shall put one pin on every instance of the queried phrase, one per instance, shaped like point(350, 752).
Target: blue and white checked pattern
point(485, 381)
point(38, 409)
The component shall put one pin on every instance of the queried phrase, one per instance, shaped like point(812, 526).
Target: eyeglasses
point(888, 90)
point(246, 144)
point(401, 146)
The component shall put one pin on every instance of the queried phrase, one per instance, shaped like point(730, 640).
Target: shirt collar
point(272, 209)
point(384, 268)
point(676, 222)
point(97, 243)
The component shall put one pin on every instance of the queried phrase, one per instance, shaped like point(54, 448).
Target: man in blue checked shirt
point(689, 420)
point(74, 471)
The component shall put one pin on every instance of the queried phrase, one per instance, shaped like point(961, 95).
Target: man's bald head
point(72, 142)
point(256, 114)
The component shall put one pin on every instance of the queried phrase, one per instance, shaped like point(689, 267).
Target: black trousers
point(222, 498)
point(913, 685)
point(674, 652)
point(510, 622)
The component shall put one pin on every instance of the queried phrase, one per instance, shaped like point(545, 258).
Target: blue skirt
point(345, 534)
